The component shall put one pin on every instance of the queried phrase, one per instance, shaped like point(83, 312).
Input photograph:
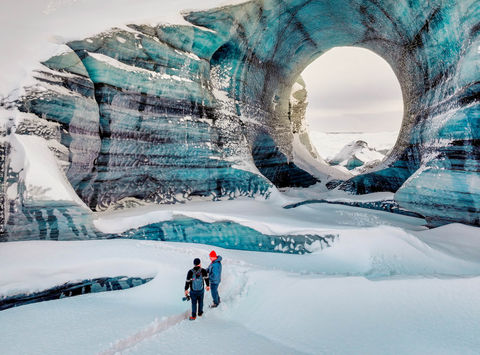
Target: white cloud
point(353, 89)
point(33, 29)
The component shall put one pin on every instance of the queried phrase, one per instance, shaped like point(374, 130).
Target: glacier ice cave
point(171, 113)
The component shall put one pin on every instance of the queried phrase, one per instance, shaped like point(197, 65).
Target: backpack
point(197, 280)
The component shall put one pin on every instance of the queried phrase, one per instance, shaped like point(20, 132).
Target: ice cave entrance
point(355, 108)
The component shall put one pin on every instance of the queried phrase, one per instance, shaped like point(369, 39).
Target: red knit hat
point(213, 254)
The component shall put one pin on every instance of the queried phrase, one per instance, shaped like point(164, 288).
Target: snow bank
point(43, 179)
point(356, 316)
point(455, 239)
point(377, 252)
point(267, 217)
point(418, 302)
point(307, 162)
point(39, 265)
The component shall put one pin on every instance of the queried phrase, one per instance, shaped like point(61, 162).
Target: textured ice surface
point(174, 113)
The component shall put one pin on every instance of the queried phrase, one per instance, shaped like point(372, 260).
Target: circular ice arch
point(354, 107)
point(432, 48)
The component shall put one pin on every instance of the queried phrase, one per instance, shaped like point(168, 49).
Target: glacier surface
point(194, 132)
point(204, 110)
point(376, 290)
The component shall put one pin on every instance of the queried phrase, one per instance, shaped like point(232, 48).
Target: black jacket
point(188, 282)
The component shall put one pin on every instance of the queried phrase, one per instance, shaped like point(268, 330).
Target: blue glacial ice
point(170, 113)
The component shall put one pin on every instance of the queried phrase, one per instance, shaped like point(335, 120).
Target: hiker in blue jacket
point(215, 276)
point(195, 279)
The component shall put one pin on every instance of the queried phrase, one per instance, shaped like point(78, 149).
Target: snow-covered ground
point(376, 290)
point(386, 285)
point(265, 216)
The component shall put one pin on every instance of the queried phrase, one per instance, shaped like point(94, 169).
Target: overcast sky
point(33, 30)
point(352, 89)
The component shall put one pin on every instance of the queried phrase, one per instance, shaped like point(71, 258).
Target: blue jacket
point(215, 271)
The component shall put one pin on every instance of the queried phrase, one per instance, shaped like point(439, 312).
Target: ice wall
point(172, 113)
point(149, 130)
point(431, 46)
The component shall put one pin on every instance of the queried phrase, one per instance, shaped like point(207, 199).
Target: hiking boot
point(192, 318)
point(200, 314)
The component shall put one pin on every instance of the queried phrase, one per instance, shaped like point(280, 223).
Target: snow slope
point(265, 216)
point(44, 180)
point(376, 290)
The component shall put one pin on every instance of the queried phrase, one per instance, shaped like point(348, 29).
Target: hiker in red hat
point(215, 276)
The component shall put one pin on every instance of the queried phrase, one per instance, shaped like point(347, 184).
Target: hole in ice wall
point(355, 107)
point(71, 289)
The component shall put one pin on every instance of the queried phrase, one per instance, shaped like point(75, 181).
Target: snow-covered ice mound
point(355, 155)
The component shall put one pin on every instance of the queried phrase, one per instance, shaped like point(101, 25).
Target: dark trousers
point(215, 296)
point(197, 297)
